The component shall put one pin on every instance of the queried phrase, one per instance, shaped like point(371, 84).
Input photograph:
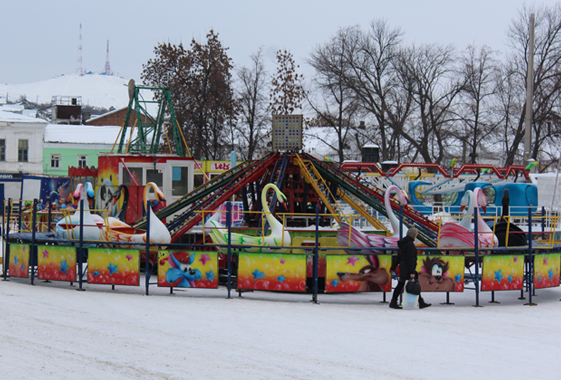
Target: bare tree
point(428, 72)
point(336, 106)
point(253, 129)
point(372, 77)
point(547, 79)
point(476, 112)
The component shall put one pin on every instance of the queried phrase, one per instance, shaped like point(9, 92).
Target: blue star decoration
point(281, 278)
point(510, 279)
point(550, 273)
point(458, 278)
point(96, 273)
point(499, 276)
point(334, 283)
point(210, 276)
point(112, 269)
point(257, 275)
point(63, 267)
point(16, 260)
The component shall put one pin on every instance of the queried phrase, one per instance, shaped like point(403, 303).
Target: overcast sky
point(40, 39)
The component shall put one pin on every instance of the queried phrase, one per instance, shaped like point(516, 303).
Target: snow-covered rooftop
point(10, 116)
point(81, 134)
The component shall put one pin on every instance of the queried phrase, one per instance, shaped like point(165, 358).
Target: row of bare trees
point(417, 102)
point(430, 103)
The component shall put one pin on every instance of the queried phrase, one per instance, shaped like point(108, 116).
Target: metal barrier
point(33, 263)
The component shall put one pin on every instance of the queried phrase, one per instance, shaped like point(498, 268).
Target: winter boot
point(394, 305)
point(423, 304)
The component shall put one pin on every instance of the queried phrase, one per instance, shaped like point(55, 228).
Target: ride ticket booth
point(173, 174)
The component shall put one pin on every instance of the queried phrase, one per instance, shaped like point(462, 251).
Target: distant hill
point(102, 91)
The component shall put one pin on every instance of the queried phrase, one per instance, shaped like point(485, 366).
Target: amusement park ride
point(297, 220)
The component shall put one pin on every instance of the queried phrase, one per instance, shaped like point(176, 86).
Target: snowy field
point(53, 331)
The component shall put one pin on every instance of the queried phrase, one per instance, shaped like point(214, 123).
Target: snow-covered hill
point(102, 91)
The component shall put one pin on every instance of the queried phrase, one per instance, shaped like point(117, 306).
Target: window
point(2, 150)
point(22, 150)
point(179, 182)
point(136, 173)
point(82, 161)
point(199, 180)
point(55, 161)
point(155, 176)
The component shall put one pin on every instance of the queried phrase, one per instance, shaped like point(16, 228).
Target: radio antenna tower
point(79, 69)
point(107, 70)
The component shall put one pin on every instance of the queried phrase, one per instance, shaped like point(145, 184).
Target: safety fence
point(312, 267)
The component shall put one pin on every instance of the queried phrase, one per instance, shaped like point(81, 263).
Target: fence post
point(530, 260)
point(32, 249)
point(476, 246)
point(7, 236)
point(229, 255)
point(400, 221)
point(316, 258)
point(81, 245)
point(543, 222)
point(147, 252)
point(49, 218)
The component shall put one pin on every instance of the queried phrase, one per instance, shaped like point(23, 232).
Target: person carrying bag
point(407, 261)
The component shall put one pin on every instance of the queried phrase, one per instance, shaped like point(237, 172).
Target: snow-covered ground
point(52, 331)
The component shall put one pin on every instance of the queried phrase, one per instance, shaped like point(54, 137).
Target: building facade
point(21, 143)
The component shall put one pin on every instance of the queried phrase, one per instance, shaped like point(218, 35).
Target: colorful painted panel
point(107, 183)
point(282, 272)
point(502, 273)
point(439, 273)
point(358, 273)
point(55, 193)
point(56, 263)
point(546, 270)
point(19, 260)
point(113, 266)
point(287, 132)
point(188, 269)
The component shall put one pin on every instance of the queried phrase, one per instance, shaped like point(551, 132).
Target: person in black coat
point(407, 261)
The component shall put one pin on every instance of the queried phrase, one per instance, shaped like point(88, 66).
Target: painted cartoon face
point(186, 268)
point(434, 275)
point(437, 271)
point(105, 194)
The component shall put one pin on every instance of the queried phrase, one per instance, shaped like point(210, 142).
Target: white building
point(21, 143)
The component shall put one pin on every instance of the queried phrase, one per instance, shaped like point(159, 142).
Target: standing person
point(407, 261)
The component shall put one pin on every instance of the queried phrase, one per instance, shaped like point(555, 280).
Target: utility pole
point(529, 94)
point(79, 69)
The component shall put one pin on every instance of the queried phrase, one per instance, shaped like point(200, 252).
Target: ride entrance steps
point(320, 186)
point(357, 205)
point(374, 197)
point(224, 189)
point(210, 196)
point(277, 177)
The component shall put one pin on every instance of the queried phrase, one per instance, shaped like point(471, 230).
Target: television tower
point(79, 69)
point(107, 70)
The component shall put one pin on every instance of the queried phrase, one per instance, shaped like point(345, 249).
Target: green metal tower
point(149, 128)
